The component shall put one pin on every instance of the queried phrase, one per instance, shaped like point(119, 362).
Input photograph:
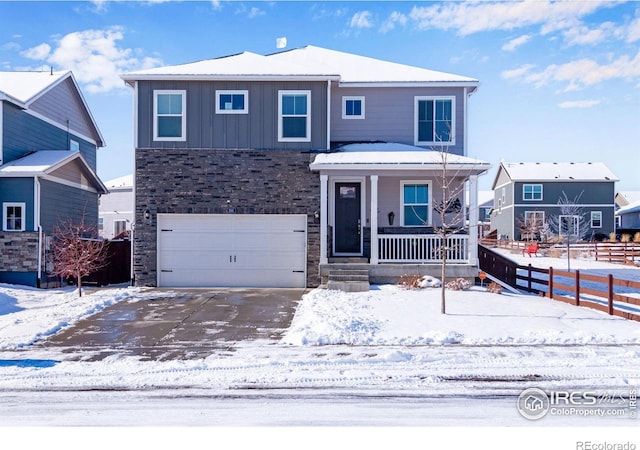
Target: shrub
point(494, 288)
point(459, 284)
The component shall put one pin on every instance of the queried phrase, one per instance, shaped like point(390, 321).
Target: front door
point(348, 239)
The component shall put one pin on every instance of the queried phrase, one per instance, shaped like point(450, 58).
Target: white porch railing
point(421, 248)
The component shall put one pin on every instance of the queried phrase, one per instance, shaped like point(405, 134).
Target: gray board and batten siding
point(256, 130)
point(24, 133)
point(390, 115)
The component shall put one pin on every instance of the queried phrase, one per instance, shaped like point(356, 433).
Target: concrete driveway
point(180, 324)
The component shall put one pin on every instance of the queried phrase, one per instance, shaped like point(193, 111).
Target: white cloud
point(517, 73)
point(473, 17)
point(394, 19)
point(361, 19)
point(515, 43)
point(582, 35)
point(634, 31)
point(579, 104)
point(256, 12)
point(93, 56)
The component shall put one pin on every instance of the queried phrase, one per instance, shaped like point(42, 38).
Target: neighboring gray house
point(628, 217)
point(273, 170)
point(116, 208)
point(48, 143)
point(529, 193)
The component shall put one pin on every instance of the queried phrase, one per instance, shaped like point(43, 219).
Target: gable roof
point(310, 63)
point(555, 171)
point(25, 88)
point(45, 162)
point(629, 209)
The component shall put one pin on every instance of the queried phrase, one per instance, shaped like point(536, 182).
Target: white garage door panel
point(232, 250)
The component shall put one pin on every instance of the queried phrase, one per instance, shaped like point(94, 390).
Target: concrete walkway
point(180, 324)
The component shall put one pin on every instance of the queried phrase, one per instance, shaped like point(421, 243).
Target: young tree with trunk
point(77, 251)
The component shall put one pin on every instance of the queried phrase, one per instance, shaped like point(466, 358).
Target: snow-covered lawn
point(389, 343)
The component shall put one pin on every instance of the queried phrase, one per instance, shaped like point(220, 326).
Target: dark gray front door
point(347, 221)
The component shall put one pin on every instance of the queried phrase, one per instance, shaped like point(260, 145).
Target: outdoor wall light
point(391, 216)
point(147, 217)
point(316, 216)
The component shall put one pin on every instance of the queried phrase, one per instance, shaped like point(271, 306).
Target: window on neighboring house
point(13, 216)
point(74, 146)
point(569, 225)
point(169, 121)
point(434, 120)
point(415, 204)
point(232, 102)
point(294, 116)
point(532, 192)
point(596, 219)
point(119, 226)
point(533, 225)
point(100, 223)
point(353, 107)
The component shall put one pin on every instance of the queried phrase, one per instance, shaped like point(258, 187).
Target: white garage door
point(210, 250)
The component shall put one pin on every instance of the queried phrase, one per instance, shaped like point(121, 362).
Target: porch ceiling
point(397, 157)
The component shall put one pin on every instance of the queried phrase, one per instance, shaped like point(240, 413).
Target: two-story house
point(528, 195)
point(115, 213)
point(257, 170)
point(48, 143)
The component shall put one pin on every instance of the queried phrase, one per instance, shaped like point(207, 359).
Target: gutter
point(37, 225)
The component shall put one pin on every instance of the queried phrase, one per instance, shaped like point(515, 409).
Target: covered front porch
point(381, 210)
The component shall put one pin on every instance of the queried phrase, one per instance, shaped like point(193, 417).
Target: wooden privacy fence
point(582, 289)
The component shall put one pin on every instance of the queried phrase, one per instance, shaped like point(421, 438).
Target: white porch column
point(374, 219)
point(324, 218)
point(473, 219)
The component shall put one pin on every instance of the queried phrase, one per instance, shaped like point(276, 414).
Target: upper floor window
point(294, 116)
point(532, 192)
point(434, 120)
point(415, 210)
point(596, 219)
point(13, 216)
point(74, 146)
point(353, 107)
point(232, 102)
point(169, 115)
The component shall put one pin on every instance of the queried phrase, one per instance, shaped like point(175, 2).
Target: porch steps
point(348, 280)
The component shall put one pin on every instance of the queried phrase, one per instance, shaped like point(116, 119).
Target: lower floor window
point(119, 226)
point(13, 216)
point(415, 204)
point(596, 219)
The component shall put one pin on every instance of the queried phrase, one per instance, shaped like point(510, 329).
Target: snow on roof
point(558, 171)
point(36, 163)
point(309, 61)
point(25, 86)
point(630, 208)
point(361, 69)
point(390, 155)
point(629, 196)
point(120, 182)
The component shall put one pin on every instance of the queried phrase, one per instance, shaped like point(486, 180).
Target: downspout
point(37, 226)
point(465, 151)
point(132, 276)
point(328, 114)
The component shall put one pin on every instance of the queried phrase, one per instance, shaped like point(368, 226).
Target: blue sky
point(559, 81)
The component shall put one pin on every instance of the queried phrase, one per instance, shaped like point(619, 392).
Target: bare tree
point(571, 222)
point(531, 226)
point(77, 251)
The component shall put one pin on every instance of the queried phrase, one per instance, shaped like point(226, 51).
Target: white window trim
point(308, 116)
point(429, 202)
point(115, 226)
point(344, 107)
point(418, 99)
point(599, 213)
point(244, 93)
point(533, 199)
point(183, 133)
point(575, 222)
point(23, 217)
point(534, 213)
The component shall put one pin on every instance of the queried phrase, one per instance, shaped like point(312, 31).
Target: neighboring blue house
point(526, 196)
point(48, 143)
point(628, 217)
point(281, 170)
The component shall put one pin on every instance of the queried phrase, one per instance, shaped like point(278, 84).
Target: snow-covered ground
point(386, 357)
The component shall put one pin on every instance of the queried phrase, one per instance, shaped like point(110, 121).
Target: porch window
point(13, 216)
point(294, 116)
point(232, 102)
point(596, 219)
point(434, 120)
point(531, 192)
point(415, 210)
point(170, 120)
point(353, 107)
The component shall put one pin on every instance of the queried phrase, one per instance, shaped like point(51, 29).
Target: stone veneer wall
point(18, 251)
point(212, 181)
